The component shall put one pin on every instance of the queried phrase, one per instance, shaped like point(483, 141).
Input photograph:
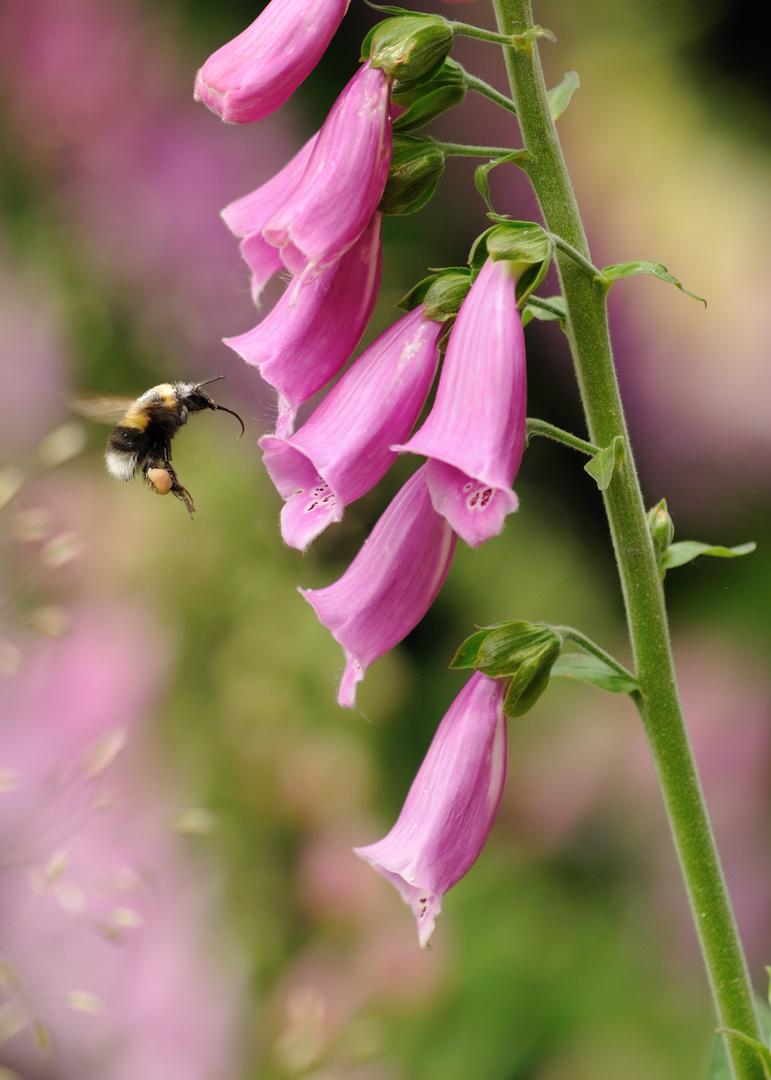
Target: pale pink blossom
point(313, 329)
point(255, 73)
point(390, 585)
point(343, 449)
point(451, 805)
point(344, 181)
point(247, 217)
point(474, 436)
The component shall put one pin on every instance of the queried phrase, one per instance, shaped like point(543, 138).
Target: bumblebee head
point(194, 399)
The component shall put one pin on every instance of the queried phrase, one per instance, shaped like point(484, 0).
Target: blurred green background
point(567, 952)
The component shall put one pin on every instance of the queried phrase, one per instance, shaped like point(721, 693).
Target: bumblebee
point(141, 441)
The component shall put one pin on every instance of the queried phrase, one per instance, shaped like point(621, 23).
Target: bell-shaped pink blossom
point(255, 73)
point(313, 329)
point(390, 585)
point(474, 436)
point(248, 216)
point(343, 449)
point(342, 185)
point(451, 805)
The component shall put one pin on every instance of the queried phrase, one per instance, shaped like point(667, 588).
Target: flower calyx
point(417, 162)
point(523, 244)
point(408, 46)
point(441, 293)
point(520, 651)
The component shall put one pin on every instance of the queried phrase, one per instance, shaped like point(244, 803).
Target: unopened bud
point(661, 527)
point(409, 46)
point(425, 99)
point(416, 165)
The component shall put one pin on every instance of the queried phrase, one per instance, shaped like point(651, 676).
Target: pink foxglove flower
point(474, 436)
point(247, 217)
point(313, 329)
point(451, 805)
point(343, 449)
point(390, 585)
point(255, 73)
point(344, 180)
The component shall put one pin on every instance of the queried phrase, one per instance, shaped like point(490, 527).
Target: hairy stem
point(658, 702)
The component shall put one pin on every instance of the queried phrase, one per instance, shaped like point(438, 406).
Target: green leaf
point(604, 466)
point(524, 41)
point(621, 270)
point(482, 172)
point(682, 552)
point(719, 1063)
point(559, 96)
point(762, 1052)
point(592, 670)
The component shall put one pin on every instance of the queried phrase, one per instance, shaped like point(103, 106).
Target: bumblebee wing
point(101, 408)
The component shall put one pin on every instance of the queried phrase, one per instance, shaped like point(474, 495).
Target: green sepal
point(544, 308)
point(520, 651)
point(592, 670)
point(428, 97)
point(387, 9)
point(661, 529)
point(762, 1052)
point(609, 274)
point(441, 294)
point(604, 466)
point(686, 550)
point(482, 172)
point(417, 163)
point(522, 243)
point(408, 46)
point(559, 96)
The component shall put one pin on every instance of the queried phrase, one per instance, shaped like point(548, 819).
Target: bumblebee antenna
point(207, 381)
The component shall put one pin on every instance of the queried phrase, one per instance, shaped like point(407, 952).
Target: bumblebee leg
point(162, 479)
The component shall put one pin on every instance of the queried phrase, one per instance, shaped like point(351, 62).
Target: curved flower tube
point(255, 73)
point(342, 450)
point(345, 178)
point(451, 805)
point(247, 217)
point(474, 436)
point(389, 586)
point(313, 329)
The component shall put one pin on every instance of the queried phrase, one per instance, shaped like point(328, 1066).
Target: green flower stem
point(549, 431)
point(592, 647)
point(481, 87)
point(659, 704)
point(462, 150)
point(467, 30)
point(586, 264)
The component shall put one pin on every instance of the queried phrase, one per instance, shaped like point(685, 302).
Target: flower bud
point(416, 165)
point(409, 46)
point(425, 99)
point(662, 529)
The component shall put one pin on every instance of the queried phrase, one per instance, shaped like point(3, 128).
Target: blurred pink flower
point(342, 185)
point(305, 340)
point(451, 806)
point(389, 586)
point(474, 436)
point(342, 450)
point(101, 945)
point(255, 73)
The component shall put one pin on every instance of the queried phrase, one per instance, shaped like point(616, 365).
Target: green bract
point(409, 46)
point(416, 165)
point(661, 527)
